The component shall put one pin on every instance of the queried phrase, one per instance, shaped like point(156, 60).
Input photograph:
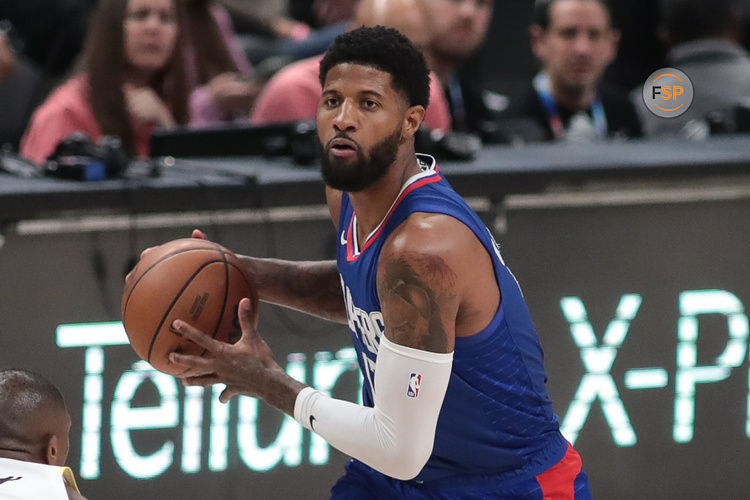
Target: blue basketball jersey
point(496, 421)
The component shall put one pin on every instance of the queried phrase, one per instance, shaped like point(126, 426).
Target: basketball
point(197, 281)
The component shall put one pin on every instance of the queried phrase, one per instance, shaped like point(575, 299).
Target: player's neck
point(21, 455)
point(372, 204)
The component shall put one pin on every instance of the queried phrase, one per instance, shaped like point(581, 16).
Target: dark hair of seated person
point(105, 63)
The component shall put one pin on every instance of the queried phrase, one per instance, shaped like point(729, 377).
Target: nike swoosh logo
point(343, 237)
point(312, 419)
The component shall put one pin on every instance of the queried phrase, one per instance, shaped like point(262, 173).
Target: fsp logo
point(668, 92)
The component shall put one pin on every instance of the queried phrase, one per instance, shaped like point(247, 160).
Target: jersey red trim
point(350, 255)
point(558, 482)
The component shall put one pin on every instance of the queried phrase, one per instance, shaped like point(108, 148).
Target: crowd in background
point(569, 70)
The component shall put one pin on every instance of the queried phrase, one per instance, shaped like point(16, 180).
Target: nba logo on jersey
point(415, 380)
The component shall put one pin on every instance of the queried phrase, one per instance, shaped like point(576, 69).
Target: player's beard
point(361, 173)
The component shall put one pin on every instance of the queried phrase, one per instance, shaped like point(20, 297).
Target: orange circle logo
point(668, 92)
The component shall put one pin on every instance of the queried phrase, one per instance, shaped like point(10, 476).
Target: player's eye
point(370, 104)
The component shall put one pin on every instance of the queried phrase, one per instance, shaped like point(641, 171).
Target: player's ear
point(412, 121)
point(52, 450)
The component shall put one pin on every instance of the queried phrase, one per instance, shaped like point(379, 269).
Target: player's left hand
point(245, 367)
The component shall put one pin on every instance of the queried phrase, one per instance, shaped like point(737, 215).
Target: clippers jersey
point(496, 421)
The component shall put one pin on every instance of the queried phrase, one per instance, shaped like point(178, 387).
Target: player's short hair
point(25, 395)
point(542, 9)
point(385, 49)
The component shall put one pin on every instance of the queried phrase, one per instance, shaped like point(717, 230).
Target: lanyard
point(456, 97)
point(542, 87)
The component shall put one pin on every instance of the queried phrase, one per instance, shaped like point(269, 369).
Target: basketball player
point(455, 405)
point(34, 429)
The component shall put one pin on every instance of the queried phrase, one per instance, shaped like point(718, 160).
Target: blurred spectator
point(216, 65)
point(22, 87)
point(293, 93)
point(744, 17)
point(7, 59)
point(329, 12)
point(34, 438)
point(132, 80)
point(269, 18)
point(704, 41)
point(289, 29)
point(575, 42)
point(639, 52)
point(48, 33)
point(457, 29)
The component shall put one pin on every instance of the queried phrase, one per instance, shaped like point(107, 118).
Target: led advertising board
point(641, 309)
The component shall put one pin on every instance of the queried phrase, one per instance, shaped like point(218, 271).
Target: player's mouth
point(342, 147)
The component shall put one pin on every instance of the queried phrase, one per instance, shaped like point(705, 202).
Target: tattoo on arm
point(411, 289)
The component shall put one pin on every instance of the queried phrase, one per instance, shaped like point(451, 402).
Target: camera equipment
point(295, 139)
point(77, 157)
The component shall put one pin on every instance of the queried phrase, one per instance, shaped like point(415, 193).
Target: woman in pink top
point(132, 81)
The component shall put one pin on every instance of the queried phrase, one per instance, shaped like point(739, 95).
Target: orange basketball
point(197, 281)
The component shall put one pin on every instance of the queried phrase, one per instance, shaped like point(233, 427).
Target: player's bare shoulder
point(420, 282)
point(450, 260)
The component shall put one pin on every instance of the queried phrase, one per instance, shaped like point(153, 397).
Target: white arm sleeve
point(396, 436)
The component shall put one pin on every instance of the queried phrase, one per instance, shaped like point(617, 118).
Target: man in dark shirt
point(575, 42)
point(703, 41)
point(457, 31)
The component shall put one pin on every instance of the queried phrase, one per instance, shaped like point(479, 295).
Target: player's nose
point(346, 117)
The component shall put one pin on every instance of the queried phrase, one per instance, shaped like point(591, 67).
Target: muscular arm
point(311, 287)
point(421, 280)
point(426, 271)
point(418, 299)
